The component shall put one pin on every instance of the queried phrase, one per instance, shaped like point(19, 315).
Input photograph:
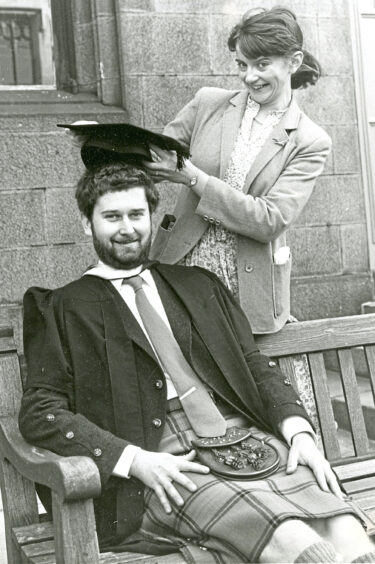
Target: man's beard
point(111, 258)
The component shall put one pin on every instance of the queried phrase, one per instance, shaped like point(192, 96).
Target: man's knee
point(288, 541)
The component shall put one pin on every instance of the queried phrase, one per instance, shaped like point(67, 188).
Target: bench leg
point(20, 505)
point(75, 531)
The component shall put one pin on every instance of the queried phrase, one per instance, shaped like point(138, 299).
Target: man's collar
point(107, 272)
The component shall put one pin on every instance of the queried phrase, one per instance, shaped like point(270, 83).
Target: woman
point(255, 157)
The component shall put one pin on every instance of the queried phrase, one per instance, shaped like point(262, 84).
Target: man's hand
point(304, 451)
point(159, 470)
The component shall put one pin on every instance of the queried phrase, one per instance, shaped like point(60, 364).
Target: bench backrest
point(342, 337)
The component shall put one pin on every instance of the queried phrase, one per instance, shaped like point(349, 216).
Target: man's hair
point(113, 177)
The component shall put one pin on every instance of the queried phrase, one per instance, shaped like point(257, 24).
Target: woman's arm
point(262, 218)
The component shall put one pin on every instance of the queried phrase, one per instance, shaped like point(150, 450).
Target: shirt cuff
point(125, 461)
point(291, 426)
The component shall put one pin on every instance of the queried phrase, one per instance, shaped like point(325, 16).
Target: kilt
point(232, 521)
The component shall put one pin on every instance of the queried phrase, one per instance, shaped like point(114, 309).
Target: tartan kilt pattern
point(232, 521)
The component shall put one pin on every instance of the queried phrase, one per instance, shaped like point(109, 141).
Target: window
point(26, 45)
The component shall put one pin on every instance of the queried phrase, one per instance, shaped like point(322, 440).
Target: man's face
point(121, 228)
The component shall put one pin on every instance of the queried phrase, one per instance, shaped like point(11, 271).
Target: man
point(100, 385)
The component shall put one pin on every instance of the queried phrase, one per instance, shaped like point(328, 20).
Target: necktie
point(204, 417)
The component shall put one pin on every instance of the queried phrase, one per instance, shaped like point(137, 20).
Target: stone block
point(63, 218)
point(163, 97)
point(69, 262)
point(39, 121)
point(331, 101)
point(309, 26)
point(136, 5)
point(20, 269)
point(222, 60)
point(238, 7)
point(22, 218)
point(11, 315)
point(37, 160)
point(85, 58)
point(81, 12)
point(109, 57)
point(334, 37)
point(345, 149)
point(333, 8)
point(104, 8)
point(335, 200)
point(328, 166)
point(330, 296)
point(132, 89)
point(176, 44)
point(355, 252)
point(315, 250)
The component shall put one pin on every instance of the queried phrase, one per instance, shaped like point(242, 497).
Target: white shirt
point(289, 427)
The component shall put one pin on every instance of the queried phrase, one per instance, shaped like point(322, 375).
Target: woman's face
point(268, 78)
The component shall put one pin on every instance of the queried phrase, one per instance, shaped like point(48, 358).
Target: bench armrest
point(72, 478)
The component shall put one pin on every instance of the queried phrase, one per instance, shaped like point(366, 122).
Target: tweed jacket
point(94, 385)
point(276, 189)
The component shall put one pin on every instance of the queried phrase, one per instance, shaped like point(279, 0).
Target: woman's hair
point(112, 177)
point(275, 32)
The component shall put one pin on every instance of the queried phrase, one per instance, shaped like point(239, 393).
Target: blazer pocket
point(281, 287)
point(162, 237)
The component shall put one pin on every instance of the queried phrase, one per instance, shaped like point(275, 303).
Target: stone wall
point(41, 239)
point(172, 47)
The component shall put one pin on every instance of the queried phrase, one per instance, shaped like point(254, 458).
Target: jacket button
point(69, 435)
point(50, 417)
point(159, 384)
point(156, 422)
point(205, 217)
point(249, 268)
point(217, 221)
point(287, 382)
point(272, 363)
point(211, 220)
point(97, 451)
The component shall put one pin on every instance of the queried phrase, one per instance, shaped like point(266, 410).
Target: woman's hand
point(304, 451)
point(164, 167)
point(159, 470)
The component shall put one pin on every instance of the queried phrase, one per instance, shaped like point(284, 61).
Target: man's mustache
point(127, 239)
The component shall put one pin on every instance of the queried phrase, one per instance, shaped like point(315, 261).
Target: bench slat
point(33, 533)
point(370, 357)
point(319, 335)
point(324, 406)
point(353, 401)
point(120, 558)
point(356, 470)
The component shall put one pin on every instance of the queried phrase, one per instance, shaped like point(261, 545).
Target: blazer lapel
point(231, 124)
point(277, 141)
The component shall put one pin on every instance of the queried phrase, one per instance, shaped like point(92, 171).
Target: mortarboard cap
point(107, 142)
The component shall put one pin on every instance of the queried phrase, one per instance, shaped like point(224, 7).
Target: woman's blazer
point(276, 189)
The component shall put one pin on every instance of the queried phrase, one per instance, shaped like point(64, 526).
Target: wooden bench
point(75, 481)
